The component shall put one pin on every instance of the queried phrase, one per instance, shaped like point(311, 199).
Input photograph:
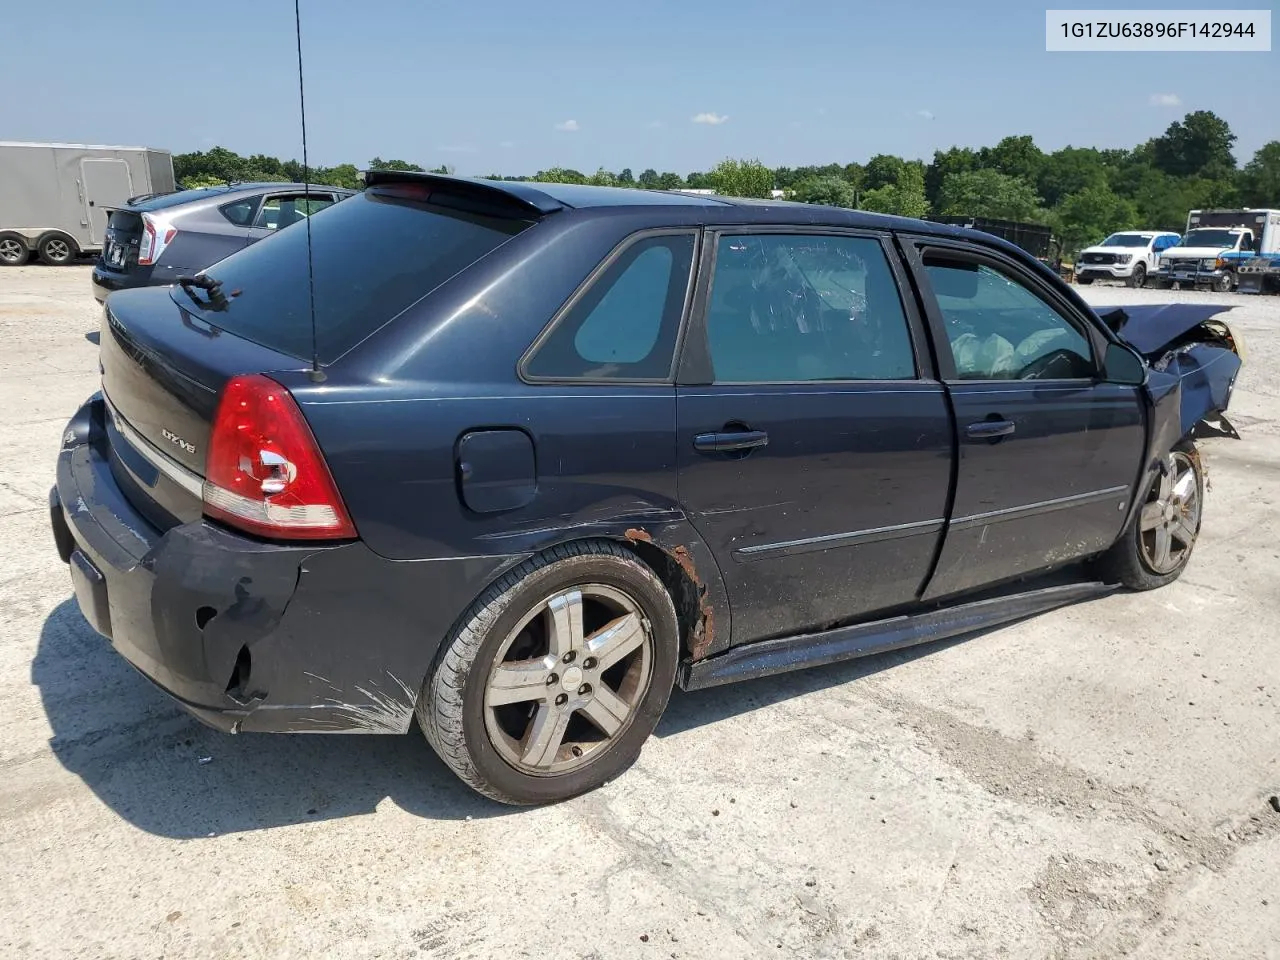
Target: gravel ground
point(1092, 783)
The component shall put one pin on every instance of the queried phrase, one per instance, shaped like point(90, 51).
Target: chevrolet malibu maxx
point(527, 456)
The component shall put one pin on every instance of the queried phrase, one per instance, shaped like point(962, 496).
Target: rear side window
point(374, 255)
point(795, 308)
point(241, 211)
point(624, 327)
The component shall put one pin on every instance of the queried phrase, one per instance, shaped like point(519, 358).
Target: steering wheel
point(1055, 365)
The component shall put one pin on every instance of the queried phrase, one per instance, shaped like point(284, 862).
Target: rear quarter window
point(373, 255)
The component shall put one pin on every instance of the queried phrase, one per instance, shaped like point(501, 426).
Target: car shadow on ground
point(169, 775)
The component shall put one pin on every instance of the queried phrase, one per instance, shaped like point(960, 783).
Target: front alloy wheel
point(1170, 519)
point(1156, 546)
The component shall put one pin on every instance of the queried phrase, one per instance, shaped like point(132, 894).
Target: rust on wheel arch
point(703, 633)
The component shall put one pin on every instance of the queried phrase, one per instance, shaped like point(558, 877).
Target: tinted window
point(241, 211)
point(406, 248)
point(1001, 330)
point(625, 325)
point(281, 210)
point(800, 308)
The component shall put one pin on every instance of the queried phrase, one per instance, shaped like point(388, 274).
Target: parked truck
point(55, 198)
point(1217, 245)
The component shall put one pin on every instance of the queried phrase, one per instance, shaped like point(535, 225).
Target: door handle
point(729, 441)
point(989, 429)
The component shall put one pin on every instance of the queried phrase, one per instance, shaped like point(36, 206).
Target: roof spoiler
point(507, 193)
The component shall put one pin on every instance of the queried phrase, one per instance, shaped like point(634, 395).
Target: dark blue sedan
point(519, 458)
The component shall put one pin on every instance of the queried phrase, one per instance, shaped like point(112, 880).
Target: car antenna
point(317, 375)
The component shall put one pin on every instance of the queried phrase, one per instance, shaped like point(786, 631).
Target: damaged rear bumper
point(248, 635)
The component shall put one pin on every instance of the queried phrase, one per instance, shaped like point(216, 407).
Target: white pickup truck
point(1217, 244)
point(1130, 255)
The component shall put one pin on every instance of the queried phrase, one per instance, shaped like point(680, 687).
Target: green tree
point(1068, 171)
point(1014, 157)
point(626, 178)
point(883, 170)
point(945, 163)
point(377, 163)
point(832, 191)
point(1260, 179)
point(699, 181)
point(1198, 145)
point(670, 181)
point(343, 175)
point(649, 179)
point(988, 193)
point(904, 198)
point(603, 178)
point(559, 175)
point(1088, 216)
point(444, 170)
point(741, 178)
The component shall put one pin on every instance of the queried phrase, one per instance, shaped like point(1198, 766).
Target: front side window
point(625, 326)
point(795, 308)
point(1000, 329)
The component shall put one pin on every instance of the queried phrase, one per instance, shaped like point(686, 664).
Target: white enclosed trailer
point(55, 198)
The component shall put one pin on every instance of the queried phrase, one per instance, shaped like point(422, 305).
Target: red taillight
point(156, 235)
point(264, 472)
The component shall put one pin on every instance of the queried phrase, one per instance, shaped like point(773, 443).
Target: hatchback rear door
point(1048, 452)
point(814, 445)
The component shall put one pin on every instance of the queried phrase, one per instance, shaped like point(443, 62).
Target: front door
point(1049, 453)
point(107, 184)
point(813, 450)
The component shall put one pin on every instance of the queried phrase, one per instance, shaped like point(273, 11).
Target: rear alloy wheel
point(556, 677)
point(1139, 276)
point(13, 251)
point(1158, 544)
point(56, 250)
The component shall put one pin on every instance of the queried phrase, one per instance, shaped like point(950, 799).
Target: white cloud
point(1166, 100)
point(713, 119)
point(925, 114)
point(568, 126)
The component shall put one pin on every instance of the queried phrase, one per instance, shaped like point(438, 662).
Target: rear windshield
point(374, 255)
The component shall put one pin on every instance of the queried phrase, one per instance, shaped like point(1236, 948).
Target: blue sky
point(513, 86)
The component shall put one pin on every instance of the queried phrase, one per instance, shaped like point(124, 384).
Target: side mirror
point(1122, 364)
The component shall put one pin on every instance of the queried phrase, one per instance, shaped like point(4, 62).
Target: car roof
point(545, 198)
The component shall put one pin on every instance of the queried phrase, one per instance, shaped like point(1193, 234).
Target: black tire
point(1138, 278)
point(1161, 284)
point(13, 250)
point(1127, 561)
point(57, 249)
point(1084, 281)
point(1224, 283)
point(452, 709)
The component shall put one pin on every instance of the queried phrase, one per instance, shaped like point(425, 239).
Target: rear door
point(280, 210)
point(107, 184)
point(814, 444)
point(1048, 452)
